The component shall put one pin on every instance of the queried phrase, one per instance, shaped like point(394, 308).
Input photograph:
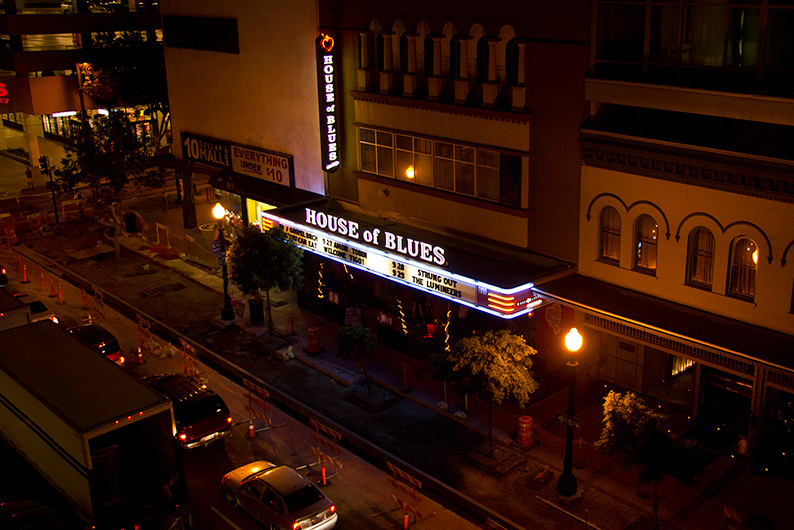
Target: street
point(359, 490)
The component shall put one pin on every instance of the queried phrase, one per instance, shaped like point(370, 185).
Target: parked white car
point(279, 497)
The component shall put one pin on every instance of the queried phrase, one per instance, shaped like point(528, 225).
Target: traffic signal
point(43, 163)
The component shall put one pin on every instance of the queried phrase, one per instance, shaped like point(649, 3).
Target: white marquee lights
point(395, 263)
point(327, 79)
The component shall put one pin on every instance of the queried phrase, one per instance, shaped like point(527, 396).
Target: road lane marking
point(214, 509)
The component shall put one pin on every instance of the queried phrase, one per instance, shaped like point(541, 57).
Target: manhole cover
point(157, 291)
point(279, 303)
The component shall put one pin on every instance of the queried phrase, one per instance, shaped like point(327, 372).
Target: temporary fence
point(172, 243)
point(406, 493)
point(330, 439)
point(257, 406)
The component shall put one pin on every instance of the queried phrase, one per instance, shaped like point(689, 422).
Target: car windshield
point(196, 410)
point(300, 499)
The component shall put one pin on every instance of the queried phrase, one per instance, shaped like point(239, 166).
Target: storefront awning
point(492, 280)
point(732, 336)
point(244, 185)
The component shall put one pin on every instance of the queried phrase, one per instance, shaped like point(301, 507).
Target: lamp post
point(566, 484)
point(219, 212)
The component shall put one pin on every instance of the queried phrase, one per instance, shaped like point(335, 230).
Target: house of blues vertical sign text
point(328, 83)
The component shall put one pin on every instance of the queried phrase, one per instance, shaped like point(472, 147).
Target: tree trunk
point(366, 376)
point(269, 317)
point(655, 505)
point(490, 427)
point(114, 210)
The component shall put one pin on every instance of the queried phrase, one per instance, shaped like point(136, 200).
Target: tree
point(498, 365)
point(107, 156)
point(356, 342)
point(120, 77)
point(634, 433)
point(262, 261)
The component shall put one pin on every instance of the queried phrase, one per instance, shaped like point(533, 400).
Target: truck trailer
point(100, 436)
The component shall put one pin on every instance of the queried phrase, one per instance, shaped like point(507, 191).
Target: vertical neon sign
point(327, 77)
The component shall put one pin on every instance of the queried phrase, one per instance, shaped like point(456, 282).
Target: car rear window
point(196, 410)
point(111, 346)
point(37, 306)
point(300, 499)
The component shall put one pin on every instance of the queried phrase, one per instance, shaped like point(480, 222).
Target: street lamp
point(566, 484)
point(219, 212)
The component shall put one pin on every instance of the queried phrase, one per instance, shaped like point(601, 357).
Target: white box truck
point(103, 438)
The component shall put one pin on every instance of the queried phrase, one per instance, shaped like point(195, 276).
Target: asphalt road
point(360, 489)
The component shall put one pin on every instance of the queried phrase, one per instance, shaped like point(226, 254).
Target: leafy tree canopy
point(107, 156)
point(117, 76)
point(355, 342)
point(264, 261)
point(499, 364)
point(635, 433)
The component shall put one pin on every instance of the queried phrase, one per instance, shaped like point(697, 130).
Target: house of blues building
point(628, 172)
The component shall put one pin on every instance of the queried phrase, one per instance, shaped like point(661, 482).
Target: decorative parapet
point(757, 177)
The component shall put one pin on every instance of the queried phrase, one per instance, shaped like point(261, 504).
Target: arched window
point(381, 63)
point(645, 231)
point(430, 56)
point(454, 57)
point(404, 54)
point(483, 57)
point(610, 235)
point(511, 62)
point(700, 263)
point(744, 262)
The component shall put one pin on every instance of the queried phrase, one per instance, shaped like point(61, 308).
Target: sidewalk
point(525, 493)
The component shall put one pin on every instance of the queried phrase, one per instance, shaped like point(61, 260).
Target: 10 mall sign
point(327, 82)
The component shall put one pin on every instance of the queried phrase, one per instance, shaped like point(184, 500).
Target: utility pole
point(44, 166)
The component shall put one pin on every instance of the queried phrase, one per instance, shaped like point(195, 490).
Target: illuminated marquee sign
point(261, 164)
point(327, 82)
point(207, 151)
point(405, 260)
point(4, 94)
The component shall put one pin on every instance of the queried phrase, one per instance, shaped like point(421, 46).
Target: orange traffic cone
point(251, 433)
point(140, 355)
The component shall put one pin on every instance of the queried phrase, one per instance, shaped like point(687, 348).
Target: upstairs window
point(610, 235)
point(744, 262)
point(700, 265)
point(482, 173)
point(645, 230)
point(377, 154)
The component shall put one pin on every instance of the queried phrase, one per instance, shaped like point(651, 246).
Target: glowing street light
point(566, 484)
point(219, 212)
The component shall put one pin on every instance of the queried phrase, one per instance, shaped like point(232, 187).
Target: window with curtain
point(744, 262)
point(610, 235)
point(700, 272)
point(692, 40)
point(645, 230)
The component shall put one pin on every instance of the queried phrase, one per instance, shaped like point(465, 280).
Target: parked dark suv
point(201, 415)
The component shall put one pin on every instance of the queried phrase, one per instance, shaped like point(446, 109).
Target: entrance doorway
point(724, 408)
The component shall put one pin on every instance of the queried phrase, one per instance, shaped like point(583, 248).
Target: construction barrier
point(190, 360)
point(258, 396)
point(163, 235)
point(313, 340)
point(526, 436)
